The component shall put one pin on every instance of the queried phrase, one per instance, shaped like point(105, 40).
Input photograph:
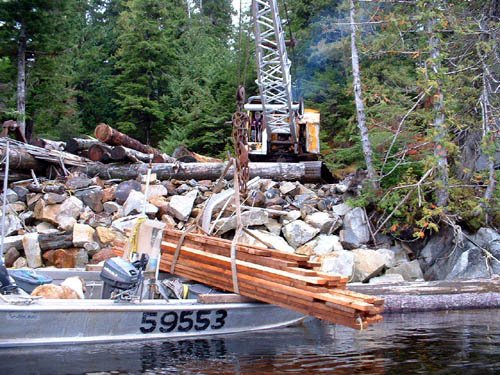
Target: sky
point(236, 5)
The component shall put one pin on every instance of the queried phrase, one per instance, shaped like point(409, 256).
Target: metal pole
point(4, 203)
point(146, 191)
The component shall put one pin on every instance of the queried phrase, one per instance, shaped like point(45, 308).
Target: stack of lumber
point(283, 279)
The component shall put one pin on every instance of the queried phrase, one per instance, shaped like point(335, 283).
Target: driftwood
point(107, 134)
point(75, 145)
point(100, 152)
point(124, 153)
point(206, 171)
point(52, 241)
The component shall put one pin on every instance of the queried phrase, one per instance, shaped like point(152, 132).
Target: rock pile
point(75, 220)
point(79, 223)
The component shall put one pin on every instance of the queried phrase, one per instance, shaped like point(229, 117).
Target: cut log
point(21, 159)
point(100, 152)
point(107, 134)
point(52, 241)
point(124, 153)
point(49, 144)
point(204, 171)
point(75, 145)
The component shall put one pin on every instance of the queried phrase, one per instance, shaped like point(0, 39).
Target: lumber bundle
point(283, 279)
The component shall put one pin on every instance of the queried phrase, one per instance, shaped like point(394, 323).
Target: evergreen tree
point(146, 62)
point(32, 32)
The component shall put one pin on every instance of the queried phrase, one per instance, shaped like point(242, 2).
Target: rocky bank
point(75, 220)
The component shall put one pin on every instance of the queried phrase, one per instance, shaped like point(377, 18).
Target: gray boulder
point(356, 231)
point(276, 241)
point(323, 221)
point(12, 224)
point(325, 244)
point(91, 198)
point(78, 182)
point(181, 206)
point(367, 264)
point(298, 233)
point(339, 263)
point(123, 190)
point(135, 202)
point(32, 250)
point(341, 209)
point(410, 271)
point(248, 218)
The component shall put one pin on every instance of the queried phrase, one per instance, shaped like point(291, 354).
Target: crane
point(289, 132)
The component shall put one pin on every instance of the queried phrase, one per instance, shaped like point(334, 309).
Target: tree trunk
point(440, 151)
point(360, 108)
point(208, 171)
point(21, 78)
point(108, 135)
point(489, 112)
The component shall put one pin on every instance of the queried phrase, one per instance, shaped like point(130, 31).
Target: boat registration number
point(182, 321)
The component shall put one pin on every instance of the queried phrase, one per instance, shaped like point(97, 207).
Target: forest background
point(425, 127)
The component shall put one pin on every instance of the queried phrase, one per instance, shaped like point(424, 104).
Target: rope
point(179, 245)
point(360, 322)
point(238, 231)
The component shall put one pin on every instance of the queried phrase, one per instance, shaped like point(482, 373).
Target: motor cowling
point(117, 273)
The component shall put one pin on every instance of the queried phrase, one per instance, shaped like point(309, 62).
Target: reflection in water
point(437, 343)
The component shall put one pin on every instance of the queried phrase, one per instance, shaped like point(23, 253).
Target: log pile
point(284, 279)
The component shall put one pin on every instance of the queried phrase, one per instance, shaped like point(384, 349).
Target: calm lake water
point(423, 343)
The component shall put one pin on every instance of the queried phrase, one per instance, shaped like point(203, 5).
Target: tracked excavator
point(272, 126)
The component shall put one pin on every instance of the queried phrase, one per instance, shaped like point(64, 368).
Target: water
point(423, 343)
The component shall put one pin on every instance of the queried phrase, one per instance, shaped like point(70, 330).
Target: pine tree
point(146, 63)
point(34, 31)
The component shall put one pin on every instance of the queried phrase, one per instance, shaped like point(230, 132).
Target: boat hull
point(58, 322)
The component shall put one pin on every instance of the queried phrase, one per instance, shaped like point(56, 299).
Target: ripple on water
point(430, 343)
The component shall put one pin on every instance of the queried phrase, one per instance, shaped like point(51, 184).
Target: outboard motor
point(119, 274)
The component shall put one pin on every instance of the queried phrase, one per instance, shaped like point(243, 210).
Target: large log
point(107, 134)
point(75, 145)
point(21, 159)
point(203, 171)
point(100, 152)
point(124, 153)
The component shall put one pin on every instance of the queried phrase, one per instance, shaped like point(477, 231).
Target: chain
point(240, 129)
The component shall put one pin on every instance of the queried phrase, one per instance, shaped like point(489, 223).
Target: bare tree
point(360, 108)
point(440, 150)
point(21, 77)
point(490, 96)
